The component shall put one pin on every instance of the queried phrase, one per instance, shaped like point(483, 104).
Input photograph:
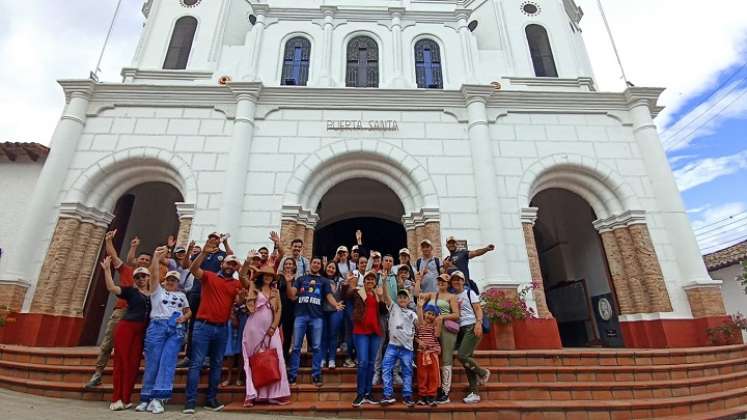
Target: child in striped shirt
point(429, 353)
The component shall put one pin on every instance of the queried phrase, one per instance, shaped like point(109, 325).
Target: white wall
point(17, 181)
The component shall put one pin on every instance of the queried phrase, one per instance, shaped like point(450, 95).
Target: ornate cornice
point(185, 210)
point(85, 214)
point(529, 215)
point(644, 96)
point(83, 88)
point(625, 219)
point(160, 74)
point(287, 97)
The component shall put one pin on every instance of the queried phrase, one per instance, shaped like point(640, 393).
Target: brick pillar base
point(55, 318)
point(528, 217)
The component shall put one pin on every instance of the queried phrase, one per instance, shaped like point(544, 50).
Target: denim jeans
point(306, 326)
point(208, 340)
point(348, 321)
point(366, 346)
point(162, 345)
point(391, 356)
point(332, 322)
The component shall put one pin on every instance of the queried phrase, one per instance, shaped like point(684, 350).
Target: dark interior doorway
point(364, 204)
point(379, 234)
point(148, 212)
point(578, 286)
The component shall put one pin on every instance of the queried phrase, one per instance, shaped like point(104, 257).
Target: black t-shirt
point(138, 304)
point(460, 258)
point(312, 292)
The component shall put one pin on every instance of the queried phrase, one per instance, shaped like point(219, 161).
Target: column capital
point(473, 93)
point(290, 213)
point(85, 214)
point(462, 15)
point(622, 220)
point(529, 215)
point(246, 90)
point(328, 11)
point(260, 9)
point(77, 88)
point(643, 96)
point(185, 210)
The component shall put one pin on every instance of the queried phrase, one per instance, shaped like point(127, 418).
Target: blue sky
point(689, 47)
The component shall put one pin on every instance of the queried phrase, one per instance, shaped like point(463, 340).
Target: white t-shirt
point(466, 311)
point(401, 326)
point(164, 303)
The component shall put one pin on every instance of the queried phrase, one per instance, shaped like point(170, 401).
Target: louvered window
point(541, 51)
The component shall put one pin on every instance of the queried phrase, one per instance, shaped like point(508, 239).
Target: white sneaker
point(349, 363)
point(143, 407)
point(324, 364)
point(117, 406)
point(156, 407)
point(332, 364)
point(472, 398)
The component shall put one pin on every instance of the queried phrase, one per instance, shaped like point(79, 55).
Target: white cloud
point(707, 117)
point(721, 226)
point(706, 170)
point(678, 44)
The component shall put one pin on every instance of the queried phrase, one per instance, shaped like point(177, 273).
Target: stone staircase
point(697, 383)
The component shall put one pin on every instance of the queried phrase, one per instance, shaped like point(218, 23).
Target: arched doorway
point(364, 204)
point(577, 281)
point(147, 211)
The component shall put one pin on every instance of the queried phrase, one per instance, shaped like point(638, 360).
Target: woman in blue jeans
point(163, 338)
point(332, 318)
point(367, 331)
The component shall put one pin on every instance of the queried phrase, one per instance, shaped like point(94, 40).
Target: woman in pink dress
point(264, 316)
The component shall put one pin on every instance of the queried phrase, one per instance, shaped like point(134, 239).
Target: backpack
point(438, 264)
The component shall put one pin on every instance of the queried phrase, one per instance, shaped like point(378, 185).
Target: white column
point(488, 206)
point(328, 25)
point(254, 41)
point(234, 187)
point(465, 36)
point(668, 198)
point(40, 210)
point(396, 25)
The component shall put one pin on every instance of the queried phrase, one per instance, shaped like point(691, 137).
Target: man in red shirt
point(210, 333)
point(125, 279)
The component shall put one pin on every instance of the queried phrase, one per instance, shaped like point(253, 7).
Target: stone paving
point(18, 406)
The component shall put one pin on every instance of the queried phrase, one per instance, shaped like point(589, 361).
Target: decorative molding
point(623, 220)
point(360, 15)
point(703, 284)
point(645, 96)
point(242, 90)
point(85, 214)
point(553, 82)
point(131, 73)
point(84, 88)
point(529, 215)
point(222, 97)
point(185, 210)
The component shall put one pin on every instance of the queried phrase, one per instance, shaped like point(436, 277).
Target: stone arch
point(349, 159)
point(101, 184)
point(601, 186)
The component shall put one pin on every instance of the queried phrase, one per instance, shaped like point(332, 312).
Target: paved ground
point(17, 406)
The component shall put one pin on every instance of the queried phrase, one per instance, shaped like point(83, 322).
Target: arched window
point(541, 51)
point(363, 63)
point(428, 65)
point(181, 44)
point(296, 62)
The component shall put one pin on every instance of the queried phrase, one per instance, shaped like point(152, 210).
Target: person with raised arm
point(210, 333)
point(125, 271)
point(164, 337)
point(128, 336)
point(402, 322)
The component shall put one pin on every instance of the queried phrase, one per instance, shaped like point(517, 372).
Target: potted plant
point(730, 332)
point(502, 308)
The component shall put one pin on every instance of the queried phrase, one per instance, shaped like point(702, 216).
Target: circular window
point(190, 3)
point(530, 8)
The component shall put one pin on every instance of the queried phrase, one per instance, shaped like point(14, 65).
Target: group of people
point(387, 318)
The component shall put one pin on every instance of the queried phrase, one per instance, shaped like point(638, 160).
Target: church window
point(530, 8)
point(190, 3)
point(362, 63)
point(428, 65)
point(296, 62)
point(541, 51)
point(180, 46)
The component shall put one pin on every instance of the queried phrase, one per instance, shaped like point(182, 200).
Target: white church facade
point(410, 119)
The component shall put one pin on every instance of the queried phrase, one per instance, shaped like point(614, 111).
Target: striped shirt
point(427, 337)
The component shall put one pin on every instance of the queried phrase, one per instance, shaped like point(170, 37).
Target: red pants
point(429, 374)
point(128, 350)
